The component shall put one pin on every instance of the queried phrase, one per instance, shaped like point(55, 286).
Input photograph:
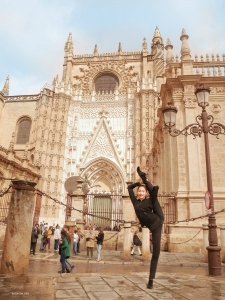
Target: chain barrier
point(109, 219)
point(182, 242)
point(83, 236)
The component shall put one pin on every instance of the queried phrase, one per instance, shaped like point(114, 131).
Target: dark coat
point(34, 235)
point(100, 238)
point(148, 211)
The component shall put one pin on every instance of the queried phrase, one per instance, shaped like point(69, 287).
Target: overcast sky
point(33, 32)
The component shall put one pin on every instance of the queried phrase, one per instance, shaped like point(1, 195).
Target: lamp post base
point(214, 260)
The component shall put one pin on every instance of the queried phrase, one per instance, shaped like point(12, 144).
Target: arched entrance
point(104, 200)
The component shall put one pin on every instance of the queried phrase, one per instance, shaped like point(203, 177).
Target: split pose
point(149, 213)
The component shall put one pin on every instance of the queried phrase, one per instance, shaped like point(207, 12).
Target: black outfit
point(34, 237)
point(149, 213)
point(100, 238)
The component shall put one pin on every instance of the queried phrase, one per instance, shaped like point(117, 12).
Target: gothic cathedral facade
point(104, 118)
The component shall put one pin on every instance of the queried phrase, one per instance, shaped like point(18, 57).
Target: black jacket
point(34, 235)
point(100, 238)
point(148, 211)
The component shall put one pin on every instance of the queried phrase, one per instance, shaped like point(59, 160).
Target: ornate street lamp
point(204, 124)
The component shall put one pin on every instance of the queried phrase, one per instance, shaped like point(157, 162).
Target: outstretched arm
point(131, 192)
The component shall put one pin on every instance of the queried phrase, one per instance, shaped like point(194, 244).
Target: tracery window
point(23, 131)
point(106, 82)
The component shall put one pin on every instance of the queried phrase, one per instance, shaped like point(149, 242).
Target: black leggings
point(156, 241)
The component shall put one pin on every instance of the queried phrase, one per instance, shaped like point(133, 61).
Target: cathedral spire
point(185, 50)
point(144, 45)
point(157, 33)
point(69, 44)
point(120, 49)
point(5, 89)
point(96, 50)
point(169, 54)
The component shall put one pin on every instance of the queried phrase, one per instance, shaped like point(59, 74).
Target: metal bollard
point(205, 241)
point(222, 238)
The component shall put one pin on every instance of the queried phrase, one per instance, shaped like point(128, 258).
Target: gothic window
point(23, 131)
point(106, 82)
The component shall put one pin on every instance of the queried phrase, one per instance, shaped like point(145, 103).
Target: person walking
point(81, 236)
point(90, 242)
point(137, 243)
point(34, 237)
point(100, 239)
point(67, 229)
point(75, 241)
point(149, 213)
point(65, 249)
point(49, 233)
point(56, 238)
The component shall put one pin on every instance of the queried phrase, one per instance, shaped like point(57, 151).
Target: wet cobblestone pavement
point(179, 276)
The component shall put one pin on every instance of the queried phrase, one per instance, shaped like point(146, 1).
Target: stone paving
point(179, 276)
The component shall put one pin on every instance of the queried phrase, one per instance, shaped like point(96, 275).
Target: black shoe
point(141, 174)
point(68, 271)
point(132, 254)
point(150, 284)
point(140, 254)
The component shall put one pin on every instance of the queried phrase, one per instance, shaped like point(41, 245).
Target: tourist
point(34, 237)
point(44, 239)
point(100, 239)
point(90, 242)
point(65, 249)
point(56, 238)
point(137, 243)
point(81, 236)
point(75, 241)
point(149, 213)
point(48, 239)
point(67, 229)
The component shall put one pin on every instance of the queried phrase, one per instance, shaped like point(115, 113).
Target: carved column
point(16, 249)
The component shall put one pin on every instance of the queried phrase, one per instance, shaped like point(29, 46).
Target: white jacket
point(57, 234)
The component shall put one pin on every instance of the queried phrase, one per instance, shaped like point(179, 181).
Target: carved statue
point(86, 185)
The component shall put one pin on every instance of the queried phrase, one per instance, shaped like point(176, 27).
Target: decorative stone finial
point(169, 54)
point(96, 50)
point(5, 89)
point(69, 45)
point(157, 33)
point(185, 50)
point(70, 37)
point(144, 45)
point(120, 49)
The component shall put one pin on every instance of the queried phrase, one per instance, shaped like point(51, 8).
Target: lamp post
point(204, 124)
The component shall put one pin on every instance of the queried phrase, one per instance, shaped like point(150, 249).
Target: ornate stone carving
point(118, 68)
point(190, 102)
point(215, 108)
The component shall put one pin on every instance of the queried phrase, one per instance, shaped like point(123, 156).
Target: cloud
point(33, 33)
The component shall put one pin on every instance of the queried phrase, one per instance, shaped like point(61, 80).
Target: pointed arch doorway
point(104, 201)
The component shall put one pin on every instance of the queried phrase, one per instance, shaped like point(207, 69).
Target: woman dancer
point(149, 213)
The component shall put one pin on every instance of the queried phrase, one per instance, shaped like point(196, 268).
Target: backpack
point(137, 241)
